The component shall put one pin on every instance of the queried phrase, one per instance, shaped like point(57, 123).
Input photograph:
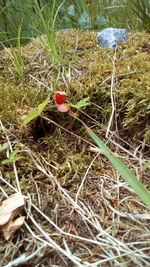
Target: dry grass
point(80, 211)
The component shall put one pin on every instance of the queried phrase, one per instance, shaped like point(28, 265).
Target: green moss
point(16, 99)
point(89, 68)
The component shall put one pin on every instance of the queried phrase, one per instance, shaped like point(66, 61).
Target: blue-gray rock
point(111, 36)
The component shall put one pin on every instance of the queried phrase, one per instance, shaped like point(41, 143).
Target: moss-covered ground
point(89, 215)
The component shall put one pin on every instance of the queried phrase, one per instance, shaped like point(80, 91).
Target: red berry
point(59, 97)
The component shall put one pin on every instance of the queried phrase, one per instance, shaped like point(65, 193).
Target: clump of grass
point(49, 29)
point(141, 9)
point(99, 14)
point(16, 61)
point(16, 58)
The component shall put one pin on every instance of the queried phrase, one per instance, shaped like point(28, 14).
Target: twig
point(14, 164)
point(83, 180)
point(112, 94)
point(24, 257)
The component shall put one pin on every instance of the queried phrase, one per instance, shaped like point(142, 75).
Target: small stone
point(110, 37)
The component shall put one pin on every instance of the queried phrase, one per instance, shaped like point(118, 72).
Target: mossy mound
point(86, 206)
point(132, 84)
point(85, 69)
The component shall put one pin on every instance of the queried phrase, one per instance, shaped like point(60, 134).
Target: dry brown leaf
point(9, 209)
point(11, 227)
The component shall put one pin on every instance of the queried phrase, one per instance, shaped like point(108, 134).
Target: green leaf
point(34, 112)
point(3, 146)
point(147, 164)
point(82, 103)
point(13, 157)
point(42, 105)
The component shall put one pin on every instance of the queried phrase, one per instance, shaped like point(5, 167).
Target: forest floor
point(80, 211)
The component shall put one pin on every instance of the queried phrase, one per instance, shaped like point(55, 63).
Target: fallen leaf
point(9, 210)
point(11, 227)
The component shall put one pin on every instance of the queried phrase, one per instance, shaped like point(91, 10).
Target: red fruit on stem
point(60, 97)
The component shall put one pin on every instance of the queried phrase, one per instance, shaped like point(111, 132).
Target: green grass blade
point(19, 35)
point(139, 188)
